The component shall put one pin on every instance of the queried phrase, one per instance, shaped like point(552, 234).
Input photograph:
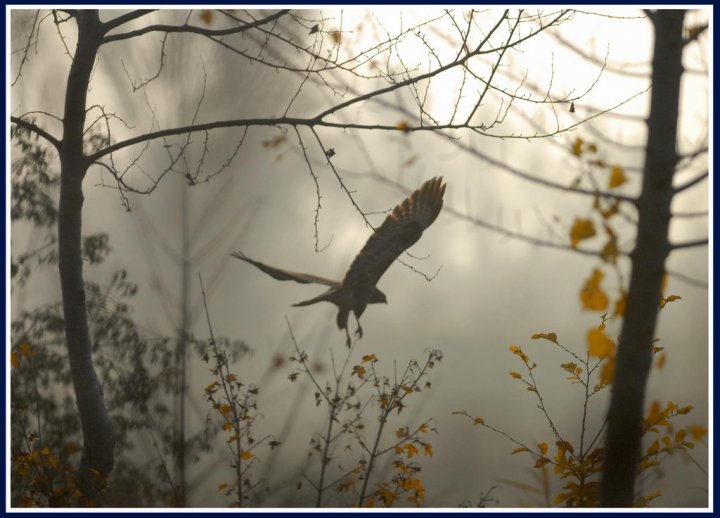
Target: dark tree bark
point(96, 425)
point(97, 428)
point(652, 247)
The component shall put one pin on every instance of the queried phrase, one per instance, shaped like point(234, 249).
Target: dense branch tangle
point(322, 58)
point(321, 47)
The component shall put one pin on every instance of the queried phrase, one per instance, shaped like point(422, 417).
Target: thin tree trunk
point(96, 425)
point(625, 416)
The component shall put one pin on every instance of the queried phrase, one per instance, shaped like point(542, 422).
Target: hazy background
point(491, 291)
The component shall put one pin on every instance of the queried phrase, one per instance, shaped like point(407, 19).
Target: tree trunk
point(652, 247)
point(96, 425)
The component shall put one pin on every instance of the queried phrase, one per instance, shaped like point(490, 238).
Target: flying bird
point(401, 229)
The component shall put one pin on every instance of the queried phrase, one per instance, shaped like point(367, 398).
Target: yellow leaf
point(231, 377)
point(617, 177)
point(661, 361)
point(427, 449)
point(411, 450)
point(403, 125)
point(547, 336)
point(412, 483)
point(14, 359)
point(543, 447)
point(599, 344)
point(222, 487)
point(518, 352)
point(577, 147)
point(680, 435)
point(592, 296)
point(621, 304)
point(206, 16)
point(610, 251)
point(607, 372)
point(246, 455)
point(406, 389)
point(336, 36)
point(581, 229)
point(227, 427)
point(685, 410)
point(667, 442)
point(516, 375)
point(671, 298)
point(564, 446)
point(518, 450)
point(644, 500)
point(698, 432)
point(478, 420)
point(423, 428)
point(654, 414)
point(359, 371)
point(369, 358)
point(539, 463)
point(654, 448)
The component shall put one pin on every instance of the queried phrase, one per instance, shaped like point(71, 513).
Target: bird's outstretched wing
point(400, 230)
point(285, 275)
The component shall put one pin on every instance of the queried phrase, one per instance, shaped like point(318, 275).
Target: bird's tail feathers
point(320, 298)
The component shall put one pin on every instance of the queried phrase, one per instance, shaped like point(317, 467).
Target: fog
point(490, 290)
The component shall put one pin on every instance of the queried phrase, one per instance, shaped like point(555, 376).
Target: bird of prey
point(401, 229)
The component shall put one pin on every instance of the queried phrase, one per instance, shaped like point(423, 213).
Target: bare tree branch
point(124, 18)
point(192, 29)
point(692, 182)
point(37, 130)
point(689, 244)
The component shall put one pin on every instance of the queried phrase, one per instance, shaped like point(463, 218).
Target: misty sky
point(491, 290)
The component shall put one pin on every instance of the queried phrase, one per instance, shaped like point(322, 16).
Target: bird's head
point(378, 297)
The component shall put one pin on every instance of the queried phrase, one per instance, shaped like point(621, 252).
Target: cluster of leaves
point(405, 482)
point(43, 407)
point(605, 213)
point(579, 465)
point(50, 479)
point(33, 178)
point(236, 404)
point(347, 402)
